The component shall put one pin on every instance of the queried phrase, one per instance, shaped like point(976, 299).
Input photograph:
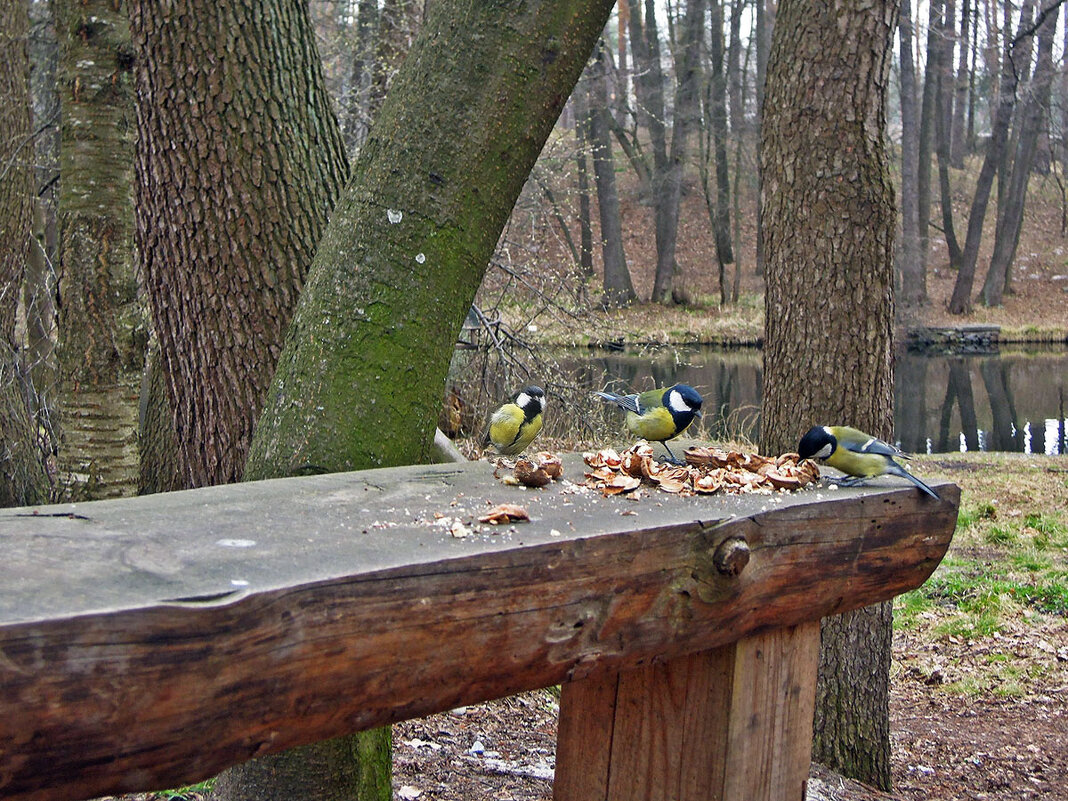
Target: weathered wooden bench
point(152, 642)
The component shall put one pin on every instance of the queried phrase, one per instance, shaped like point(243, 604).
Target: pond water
point(1011, 400)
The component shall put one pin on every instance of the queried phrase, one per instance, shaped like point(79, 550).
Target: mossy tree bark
point(102, 324)
point(22, 477)
point(362, 375)
point(828, 223)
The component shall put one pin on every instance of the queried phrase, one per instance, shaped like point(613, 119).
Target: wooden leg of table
point(731, 724)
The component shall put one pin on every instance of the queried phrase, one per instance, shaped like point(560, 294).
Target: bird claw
point(850, 481)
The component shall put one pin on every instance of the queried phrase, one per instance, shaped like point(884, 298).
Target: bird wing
point(872, 446)
point(628, 402)
point(504, 426)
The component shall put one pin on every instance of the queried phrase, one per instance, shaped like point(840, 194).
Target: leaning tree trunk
point(102, 323)
point(960, 302)
point(360, 380)
point(1010, 213)
point(22, 476)
point(829, 222)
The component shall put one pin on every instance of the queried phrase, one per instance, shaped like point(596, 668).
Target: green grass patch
point(1000, 535)
point(191, 792)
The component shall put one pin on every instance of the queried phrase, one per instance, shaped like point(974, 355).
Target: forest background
point(639, 223)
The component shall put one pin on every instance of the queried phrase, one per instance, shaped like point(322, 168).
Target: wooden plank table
point(151, 642)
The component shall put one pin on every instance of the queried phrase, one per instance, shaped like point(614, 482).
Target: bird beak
point(700, 413)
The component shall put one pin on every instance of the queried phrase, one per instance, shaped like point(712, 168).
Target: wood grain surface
point(150, 642)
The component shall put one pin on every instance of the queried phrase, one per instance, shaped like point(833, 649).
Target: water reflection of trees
point(984, 400)
point(959, 414)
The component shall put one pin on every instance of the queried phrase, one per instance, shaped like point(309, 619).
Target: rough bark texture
point(158, 443)
point(102, 324)
point(362, 376)
point(22, 478)
point(239, 162)
point(828, 222)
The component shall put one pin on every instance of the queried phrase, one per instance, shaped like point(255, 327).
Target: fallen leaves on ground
point(707, 471)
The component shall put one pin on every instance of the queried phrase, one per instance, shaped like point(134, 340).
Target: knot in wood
point(731, 556)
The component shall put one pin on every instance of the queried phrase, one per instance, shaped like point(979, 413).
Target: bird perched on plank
point(858, 455)
point(517, 422)
point(659, 414)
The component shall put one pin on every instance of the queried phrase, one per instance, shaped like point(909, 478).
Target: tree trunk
point(926, 144)
point(668, 191)
point(1010, 213)
point(961, 300)
point(22, 477)
point(102, 323)
point(720, 211)
point(649, 93)
point(764, 25)
point(943, 126)
point(580, 98)
point(237, 171)
point(360, 380)
point(160, 471)
point(239, 160)
point(39, 286)
point(358, 106)
point(735, 74)
point(958, 140)
point(829, 223)
point(910, 264)
point(618, 289)
point(398, 23)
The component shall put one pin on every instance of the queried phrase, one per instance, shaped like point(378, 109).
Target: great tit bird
point(517, 422)
point(856, 454)
point(659, 414)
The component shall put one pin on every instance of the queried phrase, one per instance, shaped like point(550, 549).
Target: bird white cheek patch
point(677, 403)
point(823, 452)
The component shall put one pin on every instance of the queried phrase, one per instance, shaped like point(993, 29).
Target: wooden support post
point(730, 724)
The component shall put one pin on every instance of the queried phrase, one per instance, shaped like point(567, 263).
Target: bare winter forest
point(244, 239)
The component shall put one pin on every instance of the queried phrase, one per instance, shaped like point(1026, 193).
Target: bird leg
point(672, 458)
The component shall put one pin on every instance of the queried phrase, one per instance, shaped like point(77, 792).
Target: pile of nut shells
point(707, 471)
point(535, 471)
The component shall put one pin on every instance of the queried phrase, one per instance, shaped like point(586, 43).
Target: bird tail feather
point(898, 470)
